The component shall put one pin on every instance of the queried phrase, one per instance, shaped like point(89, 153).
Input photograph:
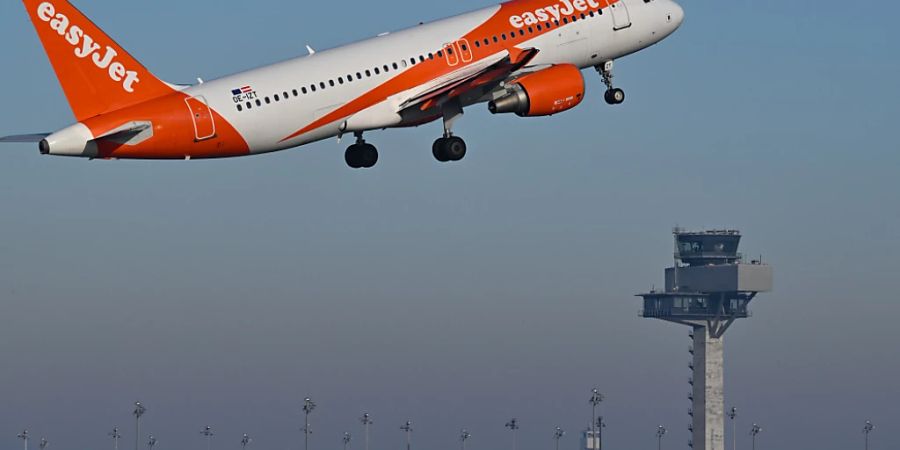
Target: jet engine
point(542, 93)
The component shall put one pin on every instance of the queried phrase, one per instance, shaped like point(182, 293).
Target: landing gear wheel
point(438, 150)
point(359, 156)
point(449, 149)
point(455, 148)
point(614, 96)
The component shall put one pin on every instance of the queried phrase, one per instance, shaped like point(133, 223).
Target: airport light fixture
point(733, 415)
point(557, 435)
point(208, 432)
point(660, 432)
point(151, 442)
point(513, 426)
point(366, 420)
point(24, 436)
point(463, 437)
point(44, 443)
point(245, 441)
point(139, 411)
point(596, 399)
point(346, 440)
point(407, 428)
point(116, 436)
point(868, 429)
point(308, 407)
point(753, 432)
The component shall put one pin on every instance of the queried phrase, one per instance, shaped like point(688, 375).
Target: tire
point(368, 156)
point(455, 148)
point(439, 151)
point(351, 156)
point(617, 96)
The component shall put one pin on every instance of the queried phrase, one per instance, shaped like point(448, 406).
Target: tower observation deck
point(709, 287)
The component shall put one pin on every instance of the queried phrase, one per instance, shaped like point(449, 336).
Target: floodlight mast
point(366, 420)
point(308, 407)
point(407, 428)
point(557, 435)
point(596, 399)
point(208, 432)
point(753, 432)
point(44, 443)
point(346, 440)
point(513, 425)
point(24, 436)
point(868, 429)
point(600, 426)
point(660, 432)
point(733, 415)
point(151, 442)
point(139, 411)
point(245, 441)
point(115, 435)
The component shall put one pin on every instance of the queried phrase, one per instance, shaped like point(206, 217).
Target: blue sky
point(223, 292)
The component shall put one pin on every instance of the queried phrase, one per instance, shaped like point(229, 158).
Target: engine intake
point(542, 93)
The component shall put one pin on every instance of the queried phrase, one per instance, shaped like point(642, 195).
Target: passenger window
point(258, 102)
point(396, 66)
point(331, 83)
point(277, 98)
point(322, 85)
point(368, 73)
point(440, 54)
point(377, 72)
point(249, 105)
point(303, 90)
point(340, 80)
point(431, 56)
point(295, 93)
point(240, 108)
point(313, 87)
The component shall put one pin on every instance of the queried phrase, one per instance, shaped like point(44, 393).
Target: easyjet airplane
point(523, 57)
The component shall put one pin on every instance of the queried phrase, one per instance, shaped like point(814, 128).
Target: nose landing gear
point(613, 95)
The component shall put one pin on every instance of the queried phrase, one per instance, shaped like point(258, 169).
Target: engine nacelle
point(542, 93)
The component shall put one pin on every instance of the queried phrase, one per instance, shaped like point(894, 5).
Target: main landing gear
point(613, 95)
point(361, 155)
point(449, 147)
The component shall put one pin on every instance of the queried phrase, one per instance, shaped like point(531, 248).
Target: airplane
point(522, 57)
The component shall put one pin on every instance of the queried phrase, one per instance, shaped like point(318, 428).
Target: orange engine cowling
point(542, 93)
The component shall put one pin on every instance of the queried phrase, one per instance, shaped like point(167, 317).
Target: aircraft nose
point(676, 15)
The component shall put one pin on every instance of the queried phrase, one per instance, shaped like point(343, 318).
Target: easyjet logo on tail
point(85, 47)
point(556, 12)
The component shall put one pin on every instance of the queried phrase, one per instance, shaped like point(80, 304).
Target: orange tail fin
point(97, 75)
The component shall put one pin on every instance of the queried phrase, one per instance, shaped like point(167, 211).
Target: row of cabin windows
point(413, 61)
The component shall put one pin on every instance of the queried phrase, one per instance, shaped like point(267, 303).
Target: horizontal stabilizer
point(25, 138)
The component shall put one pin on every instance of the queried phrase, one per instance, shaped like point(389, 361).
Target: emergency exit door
point(204, 123)
point(621, 18)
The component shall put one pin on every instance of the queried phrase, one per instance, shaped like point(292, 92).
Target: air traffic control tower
point(709, 287)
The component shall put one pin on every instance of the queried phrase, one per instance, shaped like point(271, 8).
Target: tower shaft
point(708, 405)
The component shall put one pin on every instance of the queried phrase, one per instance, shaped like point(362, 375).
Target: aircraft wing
point(488, 73)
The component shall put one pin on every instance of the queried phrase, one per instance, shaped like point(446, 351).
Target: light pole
point(308, 407)
point(366, 420)
point(24, 436)
point(513, 425)
point(151, 442)
point(596, 398)
point(557, 435)
point(600, 426)
point(660, 432)
point(44, 443)
point(868, 429)
point(208, 432)
point(347, 439)
point(463, 437)
point(245, 441)
point(732, 415)
point(139, 411)
point(753, 432)
point(407, 427)
point(115, 435)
